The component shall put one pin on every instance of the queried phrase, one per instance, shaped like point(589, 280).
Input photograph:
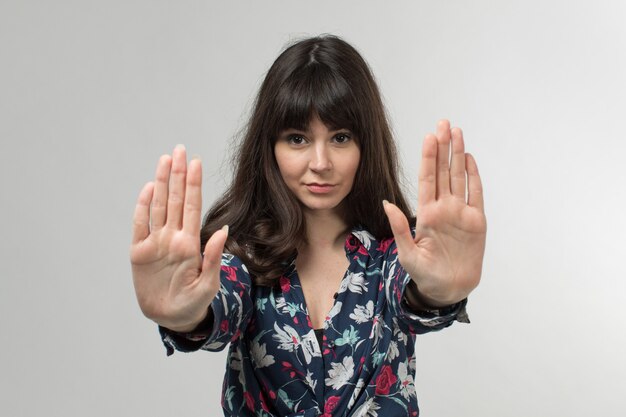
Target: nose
point(320, 158)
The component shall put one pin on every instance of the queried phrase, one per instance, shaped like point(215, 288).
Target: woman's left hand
point(445, 258)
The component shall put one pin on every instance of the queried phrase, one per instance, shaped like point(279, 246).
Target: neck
point(325, 229)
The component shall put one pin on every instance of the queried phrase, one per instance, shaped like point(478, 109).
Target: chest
point(320, 278)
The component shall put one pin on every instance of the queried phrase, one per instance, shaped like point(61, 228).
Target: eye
point(295, 139)
point(342, 137)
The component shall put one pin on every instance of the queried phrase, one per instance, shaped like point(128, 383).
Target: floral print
point(276, 367)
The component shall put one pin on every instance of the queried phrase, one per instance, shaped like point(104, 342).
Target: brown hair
point(325, 76)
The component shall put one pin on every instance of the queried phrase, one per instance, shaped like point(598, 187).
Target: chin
point(320, 206)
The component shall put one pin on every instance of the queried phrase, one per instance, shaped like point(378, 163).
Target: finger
point(427, 179)
point(443, 158)
point(399, 227)
point(158, 211)
point(475, 186)
point(193, 198)
point(457, 166)
point(141, 217)
point(212, 261)
point(176, 195)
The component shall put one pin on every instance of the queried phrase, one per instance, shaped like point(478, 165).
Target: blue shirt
point(275, 365)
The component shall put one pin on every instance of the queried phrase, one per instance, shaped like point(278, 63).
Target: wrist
point(206, 319)
point(419, 301)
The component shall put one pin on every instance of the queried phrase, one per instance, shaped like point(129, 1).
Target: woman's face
point(318, 165)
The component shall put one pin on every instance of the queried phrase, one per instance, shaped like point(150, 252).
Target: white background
point(92, 93)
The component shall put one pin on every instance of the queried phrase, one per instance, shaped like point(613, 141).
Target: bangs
point(317, 90)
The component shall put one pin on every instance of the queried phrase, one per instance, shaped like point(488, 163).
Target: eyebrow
point(289, 129)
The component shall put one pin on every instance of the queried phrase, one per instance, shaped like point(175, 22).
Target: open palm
point(445, 256)
point(174, 284)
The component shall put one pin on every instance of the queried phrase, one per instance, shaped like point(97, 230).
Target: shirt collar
point(361, 239)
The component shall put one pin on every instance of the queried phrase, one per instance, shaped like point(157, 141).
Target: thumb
point(212, 261)
point(399, 227)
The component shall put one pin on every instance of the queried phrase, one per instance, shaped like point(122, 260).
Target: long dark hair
point(324, 76)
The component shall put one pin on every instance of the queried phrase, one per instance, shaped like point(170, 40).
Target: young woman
point(308, 265)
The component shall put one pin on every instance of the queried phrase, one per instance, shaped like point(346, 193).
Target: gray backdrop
point(92, 93)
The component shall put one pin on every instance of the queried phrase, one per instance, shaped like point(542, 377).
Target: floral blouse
point(276, 367)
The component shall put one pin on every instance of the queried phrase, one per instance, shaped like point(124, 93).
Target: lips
point(318, 188)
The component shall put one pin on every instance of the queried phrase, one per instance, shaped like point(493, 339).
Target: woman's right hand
point(174, 284)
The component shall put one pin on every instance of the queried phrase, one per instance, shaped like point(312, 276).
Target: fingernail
point(385, 202)
point(225, 228)
point(196, 157)
point(180, 146)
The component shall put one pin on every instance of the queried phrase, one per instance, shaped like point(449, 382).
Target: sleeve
point(418, 322)
point(231, 311)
